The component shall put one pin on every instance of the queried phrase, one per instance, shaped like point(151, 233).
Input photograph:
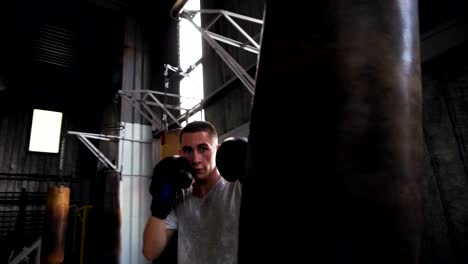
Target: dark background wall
point(81, 87)
point(445, 91)
point(58, 56)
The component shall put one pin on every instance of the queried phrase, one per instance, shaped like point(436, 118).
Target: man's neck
point(203, 187)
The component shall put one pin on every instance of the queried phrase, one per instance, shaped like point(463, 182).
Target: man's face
point(200, 149)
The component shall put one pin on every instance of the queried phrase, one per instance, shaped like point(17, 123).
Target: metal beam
point(23, 255)
point(238, 70)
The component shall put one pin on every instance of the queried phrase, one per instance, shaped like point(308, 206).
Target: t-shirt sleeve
point(171, 220)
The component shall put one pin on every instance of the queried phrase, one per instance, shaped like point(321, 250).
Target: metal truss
point(24, 255)
point(84, 137)
point(177, 12)
point(144, 101)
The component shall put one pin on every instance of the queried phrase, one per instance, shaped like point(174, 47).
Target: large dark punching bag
point(333, 173)
point(104, 232)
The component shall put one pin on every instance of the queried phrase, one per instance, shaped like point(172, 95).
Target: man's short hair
point(199, 126)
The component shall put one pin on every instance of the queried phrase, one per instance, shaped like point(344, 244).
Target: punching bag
point(333, 174)
point(55, 225)
point(103, 234)
point(169, 143)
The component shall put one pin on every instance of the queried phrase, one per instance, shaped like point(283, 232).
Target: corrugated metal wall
point(26, 176)
point(15, 159)
point(80, 89)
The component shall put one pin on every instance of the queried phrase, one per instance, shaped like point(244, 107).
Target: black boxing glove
point(170, 175)
point(231, 158)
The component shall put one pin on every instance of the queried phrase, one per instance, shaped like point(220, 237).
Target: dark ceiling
point(59, 51)
point(62, 51)
point(433, 13)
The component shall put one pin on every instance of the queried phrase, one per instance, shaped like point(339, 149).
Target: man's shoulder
point(233, 189)
point(234, 184)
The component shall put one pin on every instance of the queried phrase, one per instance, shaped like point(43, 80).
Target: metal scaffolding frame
point(144, 100)
point(23, 256)
point(212, 38)
point(84, 137)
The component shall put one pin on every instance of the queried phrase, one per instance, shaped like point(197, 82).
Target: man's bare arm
point(155, 238)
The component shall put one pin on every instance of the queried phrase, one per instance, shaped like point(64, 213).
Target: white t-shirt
point(208, 227)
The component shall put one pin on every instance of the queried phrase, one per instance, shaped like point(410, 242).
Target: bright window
point(190, 51)
point(45, 131)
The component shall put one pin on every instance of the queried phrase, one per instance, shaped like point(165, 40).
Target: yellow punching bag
point(55, 225)
point(169, 143)
point(169, 146)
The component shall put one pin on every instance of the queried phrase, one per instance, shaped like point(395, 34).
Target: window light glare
point(45, 131)
point(190, 51)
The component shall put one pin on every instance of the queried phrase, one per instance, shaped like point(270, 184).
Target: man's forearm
point(155, 238)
